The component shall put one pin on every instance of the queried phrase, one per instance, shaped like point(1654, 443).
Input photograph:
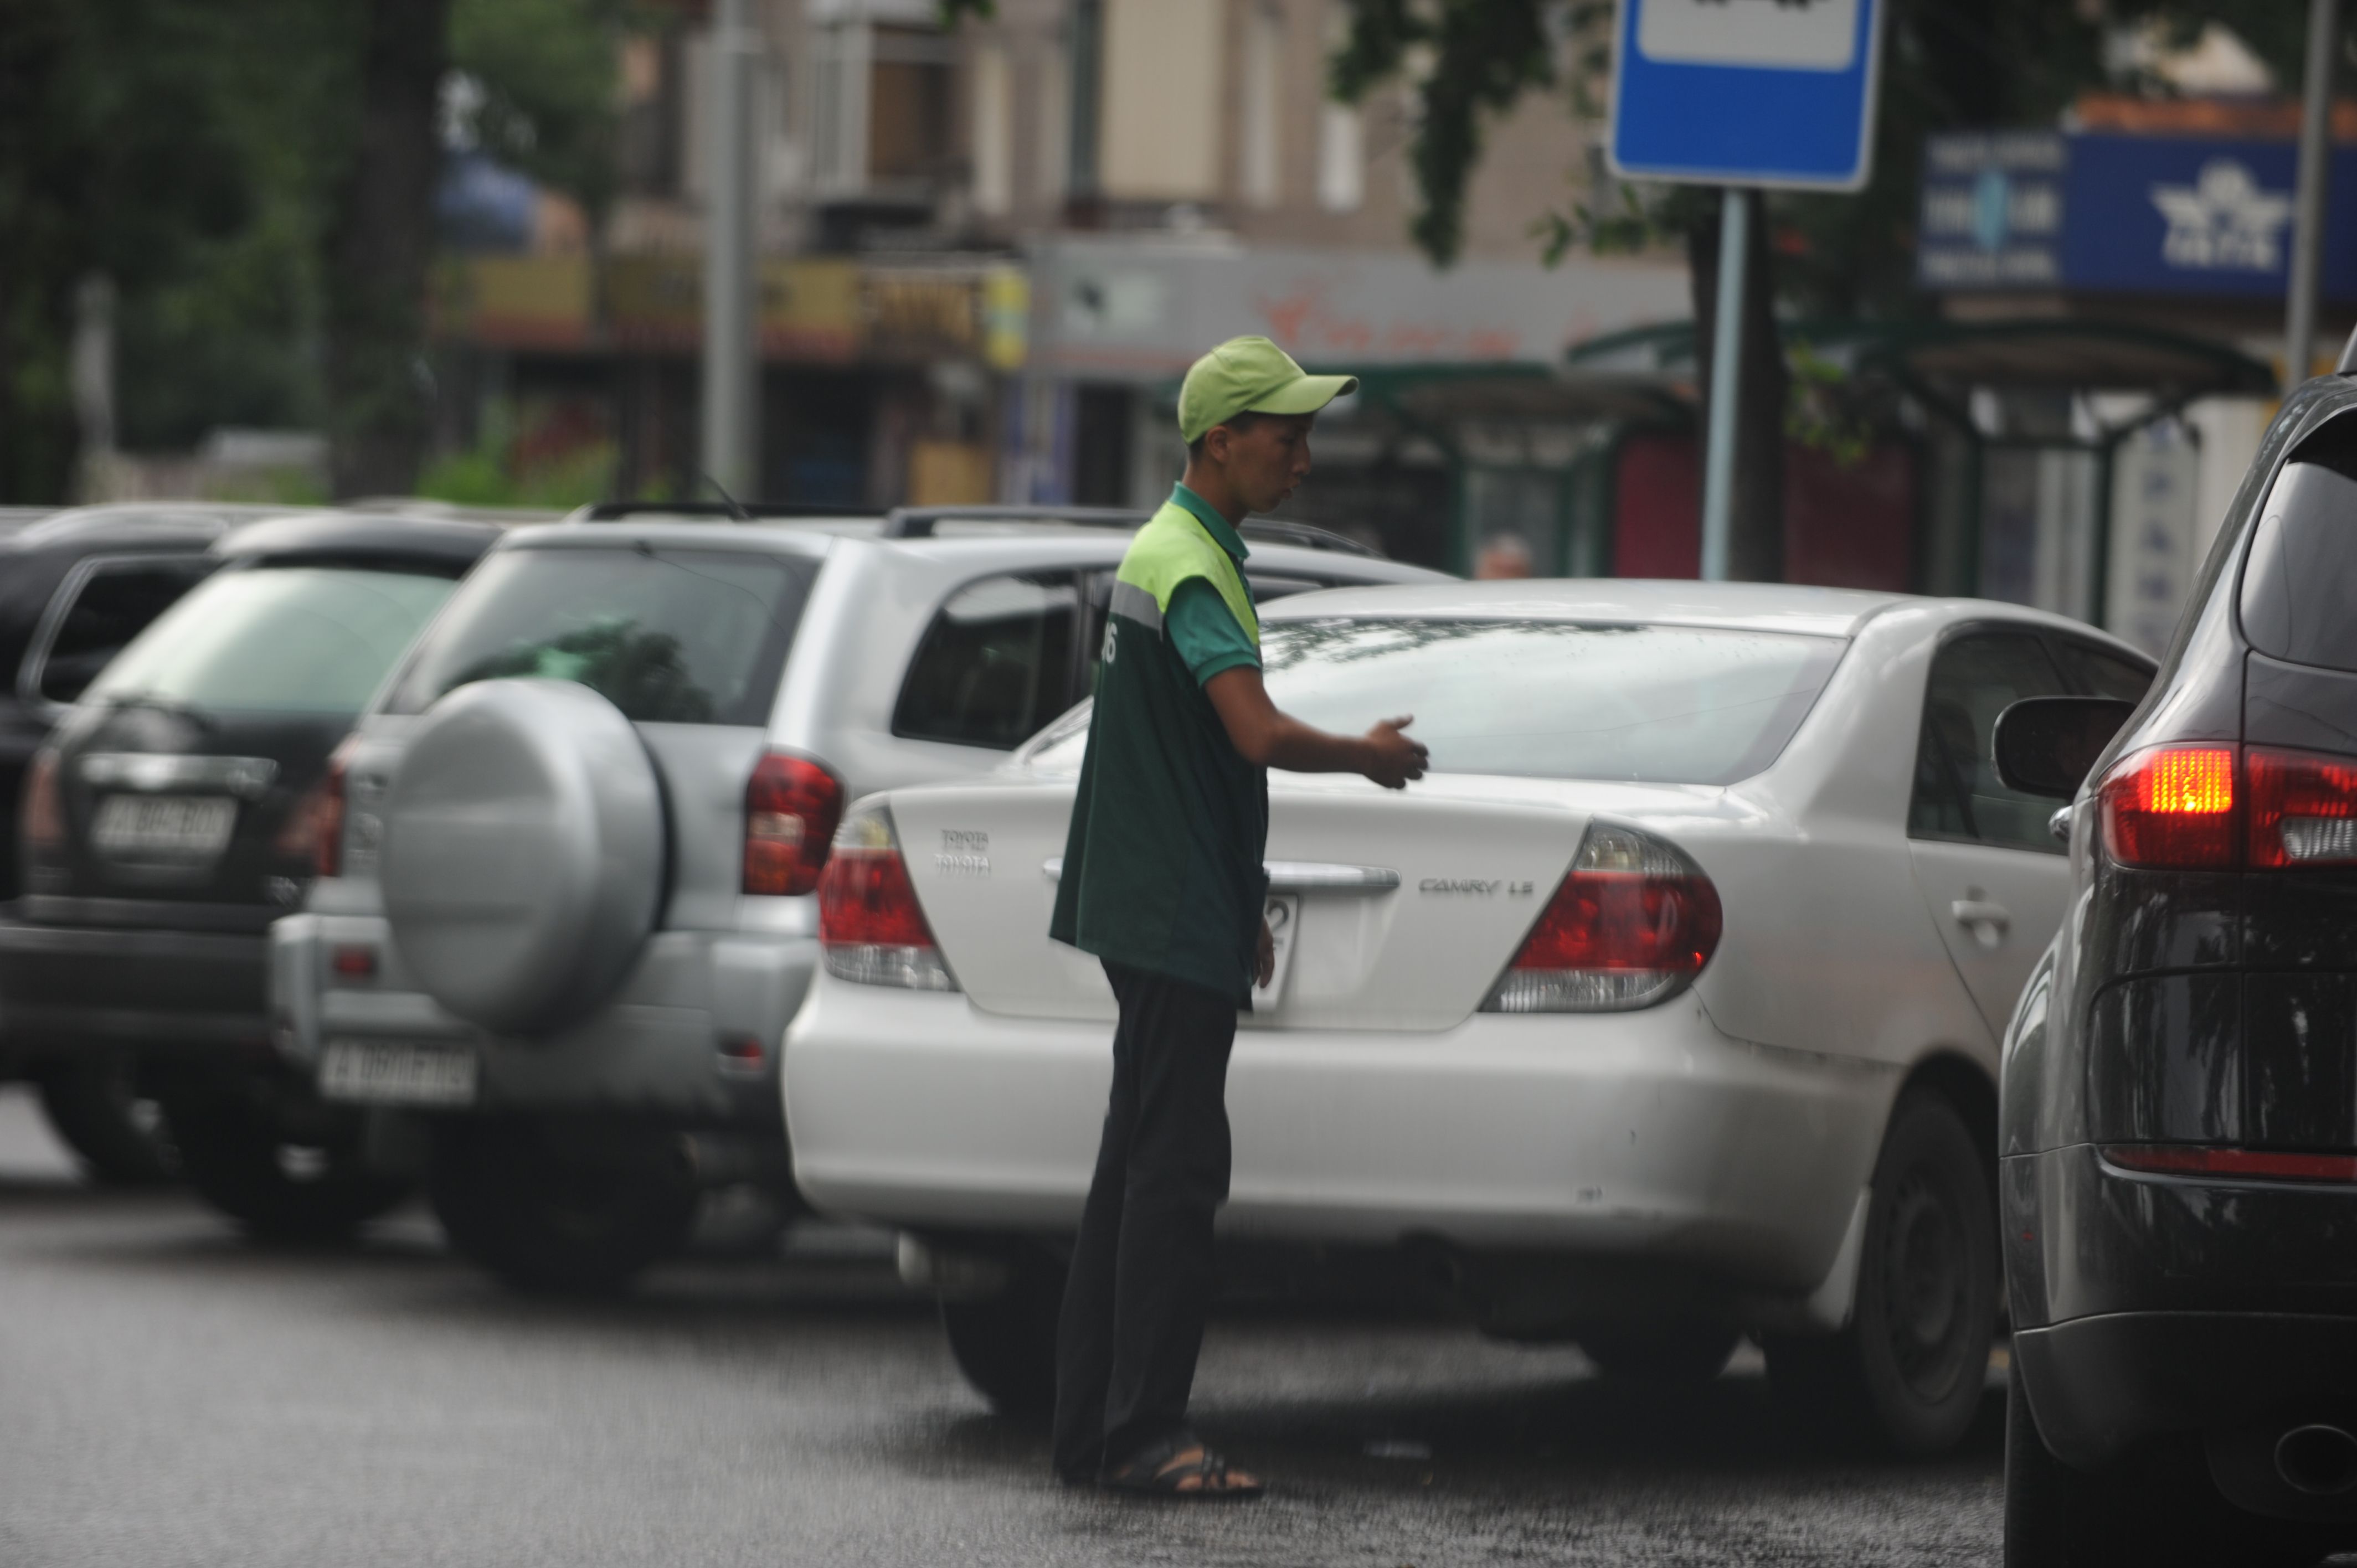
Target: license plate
point(183, 829)
point(1284, 917)
point(398, 1072)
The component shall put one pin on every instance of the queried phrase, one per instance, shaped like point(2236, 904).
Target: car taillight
point(43, 817)
point(2171, 807)
point(792, 805)
point(315, 828)
point(2303, 807)
point(871, 930)
point(2217, 1160)
point(1632, 924)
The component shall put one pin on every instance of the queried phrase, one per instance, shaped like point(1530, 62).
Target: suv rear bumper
point(691, 1039)
point(185, 993)
point(2102, 1386)
point(2146, 1307)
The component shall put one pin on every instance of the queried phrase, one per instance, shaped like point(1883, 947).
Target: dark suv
point(2178, 1127)
point(75, 586)
point(178, 808)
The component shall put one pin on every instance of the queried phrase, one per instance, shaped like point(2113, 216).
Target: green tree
point(1947, 64)
point(257, 176)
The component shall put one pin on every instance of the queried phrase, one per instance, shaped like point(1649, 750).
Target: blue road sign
point(1773, 92)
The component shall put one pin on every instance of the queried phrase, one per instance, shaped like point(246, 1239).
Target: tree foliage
point(202, 158)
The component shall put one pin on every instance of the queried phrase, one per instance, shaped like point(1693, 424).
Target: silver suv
point(565, 905)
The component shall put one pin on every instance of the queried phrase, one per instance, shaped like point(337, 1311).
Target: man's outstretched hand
point(1394, 759)
point(1267, 738)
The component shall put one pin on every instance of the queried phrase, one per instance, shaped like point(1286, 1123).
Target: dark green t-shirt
point(1162, 863)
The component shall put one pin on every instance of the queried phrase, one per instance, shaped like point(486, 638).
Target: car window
point(1957, 793)
point(995, 664)
point(2100, 673)
point(667, 636)
point(1543, 699)
point(2301, 576)
point(314, 639)
point(1264, 587)
point(109, 606)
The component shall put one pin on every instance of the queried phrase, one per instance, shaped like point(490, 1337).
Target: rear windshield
point(277, 640)
point(1661, 705)
point(2301, 580)
point(668, 635)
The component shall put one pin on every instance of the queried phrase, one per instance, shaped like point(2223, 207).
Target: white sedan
point(1662, 1011)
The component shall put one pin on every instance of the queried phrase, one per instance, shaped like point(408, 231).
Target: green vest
point(1162, 863)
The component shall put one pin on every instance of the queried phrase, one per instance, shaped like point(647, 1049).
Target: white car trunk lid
point(1476, 861)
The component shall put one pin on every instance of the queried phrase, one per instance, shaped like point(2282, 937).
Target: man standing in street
point(1163, 883)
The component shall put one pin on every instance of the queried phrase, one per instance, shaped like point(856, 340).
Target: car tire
point(94, 1105)
point(299, 1179)
point(1908, 1375)
point(553, 1211)
point(1664, 1355)
point(1005, 1344)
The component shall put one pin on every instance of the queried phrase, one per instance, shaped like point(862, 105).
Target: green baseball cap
point(1251, 375)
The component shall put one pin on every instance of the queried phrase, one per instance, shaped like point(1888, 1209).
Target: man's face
point(1265, 461)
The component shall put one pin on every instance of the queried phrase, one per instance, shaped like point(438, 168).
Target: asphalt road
point(172, 1396)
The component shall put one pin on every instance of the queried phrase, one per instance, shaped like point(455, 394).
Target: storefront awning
point(2044, 353)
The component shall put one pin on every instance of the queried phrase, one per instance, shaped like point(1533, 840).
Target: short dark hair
point(1239, 421)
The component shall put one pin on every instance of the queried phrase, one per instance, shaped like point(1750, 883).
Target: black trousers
point(1142, 1274)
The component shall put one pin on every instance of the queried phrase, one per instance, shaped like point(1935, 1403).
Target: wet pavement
point(170, 1394)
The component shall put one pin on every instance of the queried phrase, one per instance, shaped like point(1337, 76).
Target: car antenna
point(738, 512)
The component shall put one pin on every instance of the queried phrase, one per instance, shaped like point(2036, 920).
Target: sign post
point(1742, 93)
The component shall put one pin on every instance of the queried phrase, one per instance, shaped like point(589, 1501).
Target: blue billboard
point(2113, 213)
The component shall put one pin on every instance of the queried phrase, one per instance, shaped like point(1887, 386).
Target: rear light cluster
point(2219, 807)
point(1632, 924)
point(792, 806)
point(871, 930)
point(2218, 1160)
point(315, 828)
point(43, 816)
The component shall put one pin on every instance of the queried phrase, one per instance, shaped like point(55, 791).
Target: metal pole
point(729, 333)
point(1725, 372)
point(2315, 172)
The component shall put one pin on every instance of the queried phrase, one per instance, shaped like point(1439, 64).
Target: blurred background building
point(2031, 360)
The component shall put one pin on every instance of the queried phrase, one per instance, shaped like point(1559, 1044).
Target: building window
point(994, 131)
point(880, 108)
point(1262, 173)
point(1342, 158)
point(1051, 125)
point(1159, 125)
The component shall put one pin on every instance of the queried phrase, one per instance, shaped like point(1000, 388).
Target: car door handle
point(1987, 922)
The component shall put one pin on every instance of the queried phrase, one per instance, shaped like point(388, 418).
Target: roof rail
point(614, 511)
point(918, 522)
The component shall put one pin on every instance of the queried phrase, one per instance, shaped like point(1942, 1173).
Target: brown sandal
point(1183, 1468)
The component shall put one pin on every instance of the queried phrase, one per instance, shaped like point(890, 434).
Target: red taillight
point(353, 961)
point(43, 817)
point(2209, 1159)
point(2172, 806)
point(315, 828)
point(792, 806)
point(1633, 921)
point(871, 929)
point(2303, 807)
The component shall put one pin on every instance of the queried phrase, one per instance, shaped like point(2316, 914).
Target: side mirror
point(2044, 746)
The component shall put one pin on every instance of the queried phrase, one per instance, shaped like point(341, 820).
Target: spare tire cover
point(523, 856)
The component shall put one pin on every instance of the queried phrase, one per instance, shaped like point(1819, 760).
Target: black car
point(181, 806)
point(2179, 1121)
point(75, 586)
